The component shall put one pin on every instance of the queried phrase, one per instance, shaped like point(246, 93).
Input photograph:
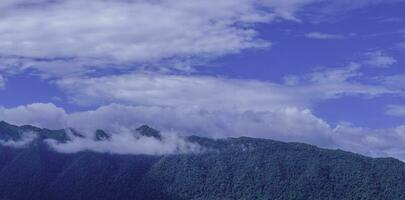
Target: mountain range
point(228, 169)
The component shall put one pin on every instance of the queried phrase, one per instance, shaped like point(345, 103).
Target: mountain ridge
point(235, 168)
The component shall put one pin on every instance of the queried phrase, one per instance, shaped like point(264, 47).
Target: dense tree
point(233, 168)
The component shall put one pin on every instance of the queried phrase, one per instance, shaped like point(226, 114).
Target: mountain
point(232, 168)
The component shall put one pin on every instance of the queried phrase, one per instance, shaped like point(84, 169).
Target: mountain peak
point(9, 131)
point(101, 135)
point(147, 131)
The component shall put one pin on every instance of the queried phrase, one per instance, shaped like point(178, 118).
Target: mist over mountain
point(191, 168)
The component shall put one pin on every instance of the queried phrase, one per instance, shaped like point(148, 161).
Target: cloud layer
point(150, 89)
point(73, 37)
point(287, 124)
point(97, 51)
point(126, 142)
point(26, 139)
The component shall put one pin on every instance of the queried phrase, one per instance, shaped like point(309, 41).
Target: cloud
point(379, 59)
point(74, 37)
point(396, 110)
point(323, 36)
point(204, 105)
point(332, 83)
point(38, 114)
point(393, 81)
point(373, 142)
point(2, 82)
point(150, 89)
point(325, 8)
point(126, 142)
point(390, 20)
point(286, 124)
point(26, 139)
point(177, 90)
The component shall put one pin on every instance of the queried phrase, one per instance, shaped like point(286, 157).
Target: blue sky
point(329, 73)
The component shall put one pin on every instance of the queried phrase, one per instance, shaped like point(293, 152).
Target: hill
point(232, 168)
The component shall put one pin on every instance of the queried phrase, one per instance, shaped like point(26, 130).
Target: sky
point(328, 73)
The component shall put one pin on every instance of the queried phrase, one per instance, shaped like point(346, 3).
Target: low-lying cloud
point(122, 141)
point(288, 124)
point(125, 142)
point(25, 140)
point(213, 107)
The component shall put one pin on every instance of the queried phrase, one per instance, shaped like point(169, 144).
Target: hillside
point(233, 168)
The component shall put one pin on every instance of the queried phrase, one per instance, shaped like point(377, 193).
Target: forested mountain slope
point(233, 168)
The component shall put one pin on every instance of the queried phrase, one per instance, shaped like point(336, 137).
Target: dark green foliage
point(234, 168)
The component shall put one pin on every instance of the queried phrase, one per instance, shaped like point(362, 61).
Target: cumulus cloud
point(288, 123)
point(38, 114)
point(323, 36)
point(203, 105)
point(24, 141)
point(379, 59)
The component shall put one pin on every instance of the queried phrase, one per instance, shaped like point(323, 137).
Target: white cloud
point(286, 124)
point(214, 92)
point(2, 82)
point(379, 59)
point(177, 90)
point(70, 37)
point(337, 82)
point(396, 110)
point(38, 114)
point(202, 105)
point(73, 36)
point(326, 8)
point(25, 140)
point(125, 142)
point(323, 36)
point(394, 81)
point(372, 142)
